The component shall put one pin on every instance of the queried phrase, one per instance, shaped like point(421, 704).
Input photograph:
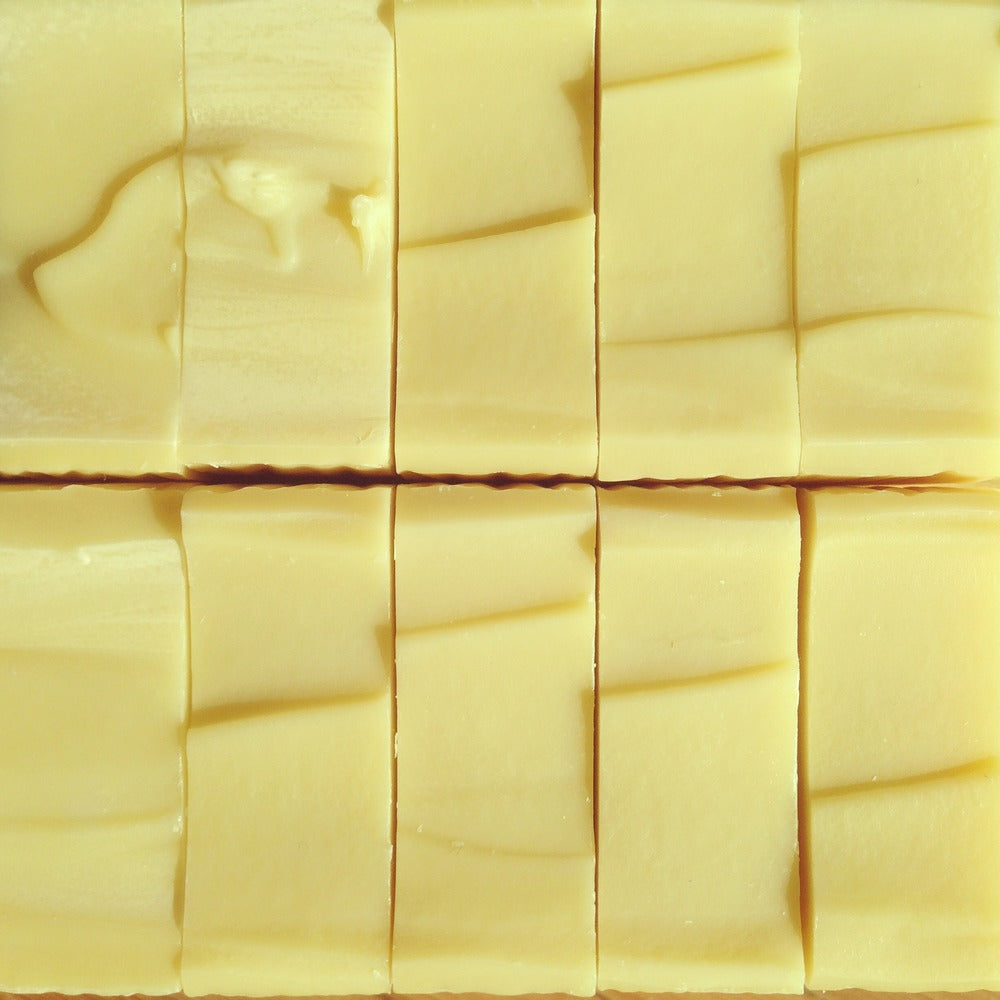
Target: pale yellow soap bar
point(289, 179)
point(91, 118)
point(495, 823)
point(93, 692)
point(900, 651)
point(898, 239)
point(289, 754)
point(496, 366)
point(883, 67)
point(698, 696)
point(697, 346)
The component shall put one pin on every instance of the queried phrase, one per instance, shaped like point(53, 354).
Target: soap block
point(290, 748)
point(892, 66)
point(697, 343)
point(496, 352)
point(698, 710)
point(911, 394)
point(495, 701)
point(90, 236)
point(898, 239)
point(93, 701)
point(289, 180)
point(902, 739)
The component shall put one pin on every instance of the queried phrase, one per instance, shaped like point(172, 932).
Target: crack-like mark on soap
point(574, 604)
point(507, 228)
point(666, 340)
point(54, 824)
point(31, 263)
point(641, 688)
point(869, 314)
point(458, 846)
point(984, 767)
point(760, 58)
point(202, 718)
point(975, 124)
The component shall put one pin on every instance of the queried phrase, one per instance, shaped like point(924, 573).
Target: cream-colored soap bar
point(496, 227)
point(898, 239)
point(698, 849)
point(91, 118)
point(900, 652)
point(697, 347)
point(93, 697)
point(289, 754)
point(289, 178)
point(495, 687)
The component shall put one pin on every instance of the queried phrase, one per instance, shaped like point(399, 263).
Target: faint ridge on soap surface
point(696, 337)
point(898, 239)
point(289, 844)
point(496, 353)
point(698, 723)
point(495, 707)
point(93, 704)
point(900, 650)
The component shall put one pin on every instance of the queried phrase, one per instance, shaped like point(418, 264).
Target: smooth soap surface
point(289, 177)
point(290, 747)
point(495, 661)
point(496, 352)
point(697, 347)
point(93, 699)
point(897, 239)
point(698, 717)
point(900, 650)
point(90, 236)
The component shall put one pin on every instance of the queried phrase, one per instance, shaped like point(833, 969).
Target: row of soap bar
point(201, 691)
point(798, 236)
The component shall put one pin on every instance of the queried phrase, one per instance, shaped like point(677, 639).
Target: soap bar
point(898, 239)
point(495, 702)
point(93, 702)
point(289, 179)
point(289, 753)
point(697, 346)
point(91, 118)
point(496, 367)
point(900, 651)
point(698, 713)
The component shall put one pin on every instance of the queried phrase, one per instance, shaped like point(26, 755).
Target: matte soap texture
point(898, 239)
point(697, 340)
point(91, 119)
point(698, 883)
point(496, 238)
point(93, 705)
point(901, 640)
point(290, 746)
point(289, 177)
point(495, 703)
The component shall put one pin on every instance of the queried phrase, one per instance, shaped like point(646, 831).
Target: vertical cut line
point(596, 174)
point(806, 533)
point(793, 251)
point(394, 281)
point(597, 735)
point(394, 727)
point(180, 886)
point(182, 305)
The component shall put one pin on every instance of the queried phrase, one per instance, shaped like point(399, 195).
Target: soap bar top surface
point(266, 565)
point(490, 151)
point(901, 611)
